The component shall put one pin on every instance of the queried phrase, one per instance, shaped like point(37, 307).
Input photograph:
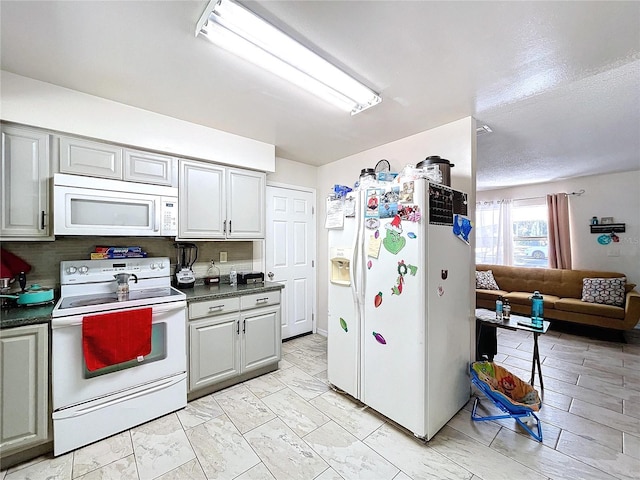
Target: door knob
point(270, 275)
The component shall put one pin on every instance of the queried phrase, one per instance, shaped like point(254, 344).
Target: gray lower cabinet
point(213, 350)
point(260, 338)
point(24, 410)
point(232, 337)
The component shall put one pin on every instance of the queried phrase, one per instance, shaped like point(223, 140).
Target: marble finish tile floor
point(291, 425)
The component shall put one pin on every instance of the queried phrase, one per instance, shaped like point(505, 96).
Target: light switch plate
point(223, 257)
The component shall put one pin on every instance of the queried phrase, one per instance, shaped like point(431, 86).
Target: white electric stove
point(91, 405)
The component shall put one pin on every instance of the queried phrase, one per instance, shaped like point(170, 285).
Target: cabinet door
point(246, 203)
point(261, 337)
point(148, 167)
point(213, 350)
point(202, 200)
point(24, 180)
point(83, 157)
point(24, 417)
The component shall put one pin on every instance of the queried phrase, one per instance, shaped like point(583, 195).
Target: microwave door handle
point(156, 216)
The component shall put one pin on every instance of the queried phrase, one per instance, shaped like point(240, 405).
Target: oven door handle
point(158, 309)
point(73, 412)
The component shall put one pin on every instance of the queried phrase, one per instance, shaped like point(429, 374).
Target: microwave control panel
point(169, 217)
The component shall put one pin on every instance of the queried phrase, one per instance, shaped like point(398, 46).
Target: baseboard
point(324, 333)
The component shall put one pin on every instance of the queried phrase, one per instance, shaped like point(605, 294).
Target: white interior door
point(290, 255)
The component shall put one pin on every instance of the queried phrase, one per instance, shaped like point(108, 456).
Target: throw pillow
point(485, 280)
point(607, 291)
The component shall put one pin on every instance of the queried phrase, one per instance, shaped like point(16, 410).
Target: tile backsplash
point(45, 257)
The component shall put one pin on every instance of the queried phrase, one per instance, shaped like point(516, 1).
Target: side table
point(487, 318)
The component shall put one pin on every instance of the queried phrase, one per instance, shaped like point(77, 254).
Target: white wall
point(39, 104)
point(616, 195)
point(455, 141)
point(294, 173)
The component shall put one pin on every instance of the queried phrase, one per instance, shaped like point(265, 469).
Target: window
point(513, 233)
point(530, 233)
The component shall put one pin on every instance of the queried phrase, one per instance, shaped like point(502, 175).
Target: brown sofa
point(562, 292)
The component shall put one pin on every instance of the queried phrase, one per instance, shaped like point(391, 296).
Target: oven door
point(74, 384)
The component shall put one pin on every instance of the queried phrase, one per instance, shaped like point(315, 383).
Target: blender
point(186, 256)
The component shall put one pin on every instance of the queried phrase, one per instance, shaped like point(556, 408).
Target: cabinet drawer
point(257, 300)
point(213, 307)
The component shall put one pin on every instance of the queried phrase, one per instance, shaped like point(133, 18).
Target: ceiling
point(557, 82)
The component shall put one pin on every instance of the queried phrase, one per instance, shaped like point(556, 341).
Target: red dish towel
point(111, 338)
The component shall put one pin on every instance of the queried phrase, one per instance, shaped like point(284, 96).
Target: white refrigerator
point(399, 320)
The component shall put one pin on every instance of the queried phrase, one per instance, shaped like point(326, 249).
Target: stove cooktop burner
point(135, 297)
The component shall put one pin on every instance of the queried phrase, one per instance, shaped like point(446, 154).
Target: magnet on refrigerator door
point(373, 249)
point(379, 338)
point(406, 194)
point(440, 291)
point(373, 200)
point(461, 228)
point(372, 223)
point(377, 301)
point(343, 324)
point(410, 213)
point(389, 203)
point(397, 289)
point(402, 268)
point(394, 241)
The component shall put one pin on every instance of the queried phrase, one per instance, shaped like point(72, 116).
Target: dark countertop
point(206, 292)
point(20, 316)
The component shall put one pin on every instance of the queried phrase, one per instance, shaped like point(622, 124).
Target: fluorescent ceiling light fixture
point(240, 31)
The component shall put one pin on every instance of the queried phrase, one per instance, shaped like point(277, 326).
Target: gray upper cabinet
point(24, 180)
point(201, 200)
point(24, 410)
point(220, 203)
point(245, 203)
point(97, 159)
point(84, 157)
point(145, 167)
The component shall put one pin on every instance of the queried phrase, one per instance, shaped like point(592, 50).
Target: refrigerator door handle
point(355, 267)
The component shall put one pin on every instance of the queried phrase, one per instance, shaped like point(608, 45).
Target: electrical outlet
point(223, 257)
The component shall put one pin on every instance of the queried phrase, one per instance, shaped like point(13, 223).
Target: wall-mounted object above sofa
point(567, 296)
point(608, 228)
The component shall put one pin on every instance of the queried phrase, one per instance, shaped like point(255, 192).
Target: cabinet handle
point(238, 327)
point(216, 307)
point(42, 216)
point(244, 325)
point(224, 228)
point(229, 226)
point(262, 300)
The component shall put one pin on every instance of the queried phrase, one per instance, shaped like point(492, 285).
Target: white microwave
point(97, 207)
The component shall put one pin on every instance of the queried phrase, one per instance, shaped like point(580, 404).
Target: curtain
point(494, 233)
point(559, 234)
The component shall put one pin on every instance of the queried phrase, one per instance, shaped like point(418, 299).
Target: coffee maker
point(186, 256)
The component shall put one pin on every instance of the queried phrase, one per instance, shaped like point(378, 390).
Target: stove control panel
point(83, 271)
